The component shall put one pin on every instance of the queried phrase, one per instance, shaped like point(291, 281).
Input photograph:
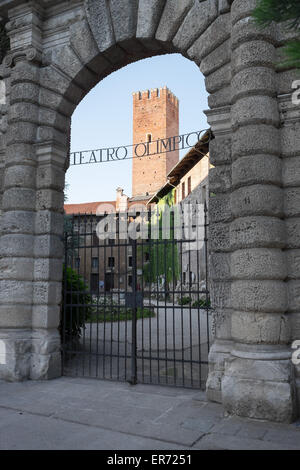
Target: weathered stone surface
point(260, 328)
point(254, 139)
point(219, 79)
point(254, 54)
point(216, 59)
point(214, 36)
point(149, 14)
point(257, 199)
point(171, 19)
point(256, 397)
point(254, 232)
point(254, 169)
point(259, 296)
point(253, 249)
point(100, 22)
point(197, 20)
point(258, 263)
point(255, 110)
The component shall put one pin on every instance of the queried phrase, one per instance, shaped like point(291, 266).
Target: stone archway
point(59, 51)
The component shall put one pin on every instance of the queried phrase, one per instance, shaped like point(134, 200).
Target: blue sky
point(104, 119)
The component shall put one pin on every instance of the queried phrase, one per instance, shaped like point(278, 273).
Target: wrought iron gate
point(136, 307)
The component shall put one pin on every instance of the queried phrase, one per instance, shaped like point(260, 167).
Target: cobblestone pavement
point(79, 413)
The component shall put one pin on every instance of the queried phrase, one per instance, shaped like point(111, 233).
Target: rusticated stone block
point(219, 79)
point(220, 179)
point(14, 316)
point(45, 316)
point(258, 398)
point(255, 169)
point(217, 33)
point(261, 81)
point(242, 9)
point(255, 232)
point(49, 199)
point(17, 269)
point(255, 139)
point(220, 98)
point(257, 200)
point(293, 232)
point(259, 296)
point(220, 208)
point(220, 151)
point(294, 295)
point(292, 202)
point(255, 110)
point(99, 19)
point(293, 263)
point(270, 328)
point(171, 19)
point(219, 236)
point(291, 171)
point(290, 139)
point(16, 245)
point(258, 263)
point(245, 31)
point(216, 59)
point(18, 199)
point(253, 54)
point(197, 20)
point(25, 222)
point(220, 266)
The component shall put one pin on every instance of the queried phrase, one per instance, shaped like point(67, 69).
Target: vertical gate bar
point(206, 274)
point(65, 293)
point(142, 290)
point(190, 295)
point(71, 290)
point(157, 294)
point(165, 244)
point(104, 307)
point(181, 312)
point(98, 296)
point(173, 295)
point(126, 240)
point(119, 298)
point(90, 236)
point(151, 260)
point(133, 380)
point(77, 308)
point(84, 276)
point(111, 309)
point(198, 303)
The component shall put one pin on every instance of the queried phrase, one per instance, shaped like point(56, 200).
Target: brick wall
point(155, 112)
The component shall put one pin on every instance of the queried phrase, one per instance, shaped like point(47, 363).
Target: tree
point(279, 11)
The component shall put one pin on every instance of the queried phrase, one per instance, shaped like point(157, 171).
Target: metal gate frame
point(82, 356)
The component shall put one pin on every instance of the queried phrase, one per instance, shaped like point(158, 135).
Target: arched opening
point(146, 302)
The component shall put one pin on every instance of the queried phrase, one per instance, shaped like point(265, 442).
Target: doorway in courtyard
point(136, 303)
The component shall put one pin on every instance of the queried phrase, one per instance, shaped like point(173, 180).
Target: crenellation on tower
point(155, 117)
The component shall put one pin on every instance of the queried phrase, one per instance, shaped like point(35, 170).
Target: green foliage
point(76, 293)
point(4, 41)
point(279, 11)
point(108, 311)
point(184, 300)
point(163, 254)
point(201, 303)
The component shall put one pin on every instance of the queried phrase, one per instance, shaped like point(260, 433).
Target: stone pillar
point(219, 247)
point(18, 224)
point(258, 380)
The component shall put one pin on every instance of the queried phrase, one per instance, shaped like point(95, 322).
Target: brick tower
point(155, 116)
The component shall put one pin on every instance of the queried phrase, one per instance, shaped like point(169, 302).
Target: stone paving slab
point(75, 413)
